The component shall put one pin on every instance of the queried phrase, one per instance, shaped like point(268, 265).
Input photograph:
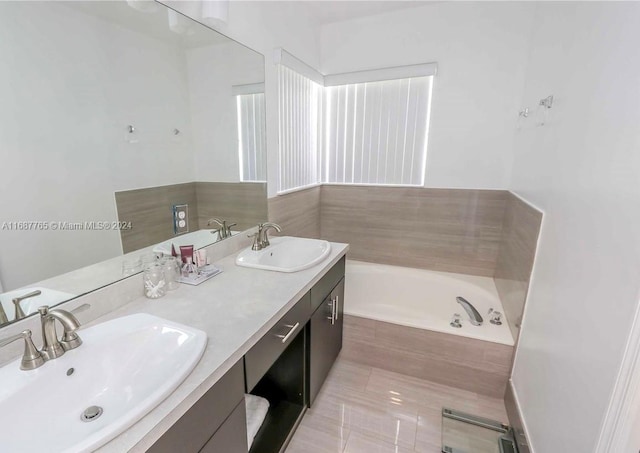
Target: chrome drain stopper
point(91, 413)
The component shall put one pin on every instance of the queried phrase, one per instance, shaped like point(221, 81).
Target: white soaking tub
point(423, 299)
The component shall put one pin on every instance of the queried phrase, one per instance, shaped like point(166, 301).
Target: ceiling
point(153, 23)
point(336, 10)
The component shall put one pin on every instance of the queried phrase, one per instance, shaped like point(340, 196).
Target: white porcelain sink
point(198, 239)
point(126, 366)
point(48, 297)
point(286, 254)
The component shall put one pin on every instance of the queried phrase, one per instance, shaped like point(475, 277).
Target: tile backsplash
point(149, 210)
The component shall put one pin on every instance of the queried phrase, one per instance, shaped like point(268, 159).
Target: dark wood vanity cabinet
point(215, 423)
point(287, 366)
point(325, 338)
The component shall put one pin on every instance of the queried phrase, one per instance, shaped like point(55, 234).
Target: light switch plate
point(180, 218)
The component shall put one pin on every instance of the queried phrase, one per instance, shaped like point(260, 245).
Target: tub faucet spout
point(474, 316)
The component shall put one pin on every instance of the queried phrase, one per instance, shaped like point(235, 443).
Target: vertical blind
point(299, 107)
point(251, 137)
point(376, 132)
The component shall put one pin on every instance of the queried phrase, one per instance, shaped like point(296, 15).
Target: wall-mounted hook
point(132, 134)
point(524, 113)
point(547, 102)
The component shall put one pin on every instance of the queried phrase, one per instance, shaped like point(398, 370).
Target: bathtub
point(423, 299)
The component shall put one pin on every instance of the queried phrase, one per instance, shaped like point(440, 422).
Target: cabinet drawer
point(260, 358)
point(322, 289)
point(232, 435)
point(192, 431)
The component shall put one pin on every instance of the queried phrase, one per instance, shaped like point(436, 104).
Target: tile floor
point(362, 409)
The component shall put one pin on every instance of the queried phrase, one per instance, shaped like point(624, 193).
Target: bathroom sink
point(125, 366)
point(48, 297)
point(198, 239)
point(286, 254)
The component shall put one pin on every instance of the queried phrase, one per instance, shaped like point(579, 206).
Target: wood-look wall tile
point(469, 364)
point(150, 213)
point(150, 210)
point(492, 357)
point(454, 230)
point(427, 366)
point(518, 244)
point(244, 203)
point(298, 213)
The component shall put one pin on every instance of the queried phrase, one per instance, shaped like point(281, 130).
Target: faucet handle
point(31, 358)
point(495, 317)
point(257, 242)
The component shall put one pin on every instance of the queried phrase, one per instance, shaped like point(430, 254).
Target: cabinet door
point(325, 339)
point(192, 431)
point(232, 435)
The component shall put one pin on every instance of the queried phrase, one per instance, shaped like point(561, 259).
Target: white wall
point(213, 71)
point(264, 26)
point(70, 84)
point(583, 169)
point(481, 51)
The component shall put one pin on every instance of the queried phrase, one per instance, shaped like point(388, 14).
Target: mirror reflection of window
point(251, 126)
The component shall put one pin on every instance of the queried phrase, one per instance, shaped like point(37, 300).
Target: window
point(364, 127)
point(376, 132)
point(251, 139)
point(299, 105)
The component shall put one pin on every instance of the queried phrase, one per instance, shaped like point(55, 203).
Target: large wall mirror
point(110, 117)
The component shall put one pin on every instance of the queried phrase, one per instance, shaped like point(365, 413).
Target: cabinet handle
point(336, 304)
point(332, 318)
point(292, 328)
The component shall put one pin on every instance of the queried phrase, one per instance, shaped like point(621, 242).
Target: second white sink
point(286, 254)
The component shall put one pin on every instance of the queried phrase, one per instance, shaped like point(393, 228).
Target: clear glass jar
point(148, 259)
point(171, 270)
point(155, 285)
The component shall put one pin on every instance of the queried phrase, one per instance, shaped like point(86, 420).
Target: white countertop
point(235, 309)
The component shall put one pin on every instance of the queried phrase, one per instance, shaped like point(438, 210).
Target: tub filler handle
point(474, 316)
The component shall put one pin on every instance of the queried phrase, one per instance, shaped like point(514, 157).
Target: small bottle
point(186, 252)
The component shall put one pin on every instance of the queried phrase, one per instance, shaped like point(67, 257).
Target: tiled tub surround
point(235, 309)
point(489, 233)
point(450, 230)
point(149, 209)
point(474, 365)
point(298, 213)
point(520, 231)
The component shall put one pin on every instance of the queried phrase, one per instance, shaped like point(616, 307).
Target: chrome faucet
point(260, 238)
point(52, 347)
point(474, 315)
point(264, 229)
point(224, 230)
point(19, 313)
